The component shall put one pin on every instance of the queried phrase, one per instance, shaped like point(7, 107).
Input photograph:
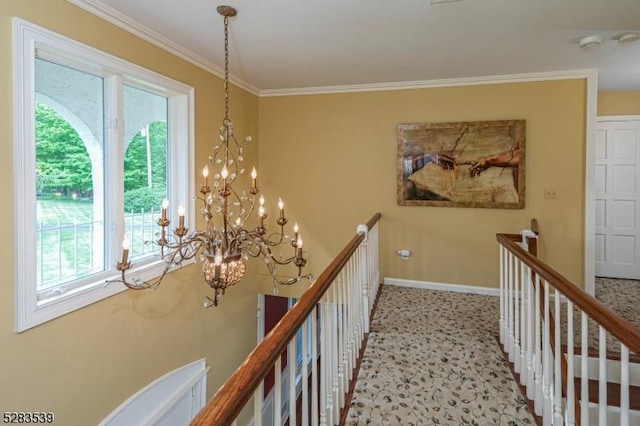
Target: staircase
point(614, 379)
point(538, 309)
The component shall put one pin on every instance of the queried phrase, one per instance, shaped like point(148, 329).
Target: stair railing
point(333, 314)
point(541, 343)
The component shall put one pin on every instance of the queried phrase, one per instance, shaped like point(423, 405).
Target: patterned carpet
point(433, 359)
point(622, 296)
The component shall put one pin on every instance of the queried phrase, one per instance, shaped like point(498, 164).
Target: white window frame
point(27, 38)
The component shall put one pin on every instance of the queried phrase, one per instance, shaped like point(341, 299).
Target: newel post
point(363, 276)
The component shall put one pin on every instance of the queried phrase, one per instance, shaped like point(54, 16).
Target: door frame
point(590, 199)
point(589, 236)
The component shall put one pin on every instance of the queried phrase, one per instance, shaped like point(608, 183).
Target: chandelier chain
point(226, 69)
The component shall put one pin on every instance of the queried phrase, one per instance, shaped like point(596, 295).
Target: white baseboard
point(426, 285)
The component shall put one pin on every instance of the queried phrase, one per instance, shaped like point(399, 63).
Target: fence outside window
point(65, 252)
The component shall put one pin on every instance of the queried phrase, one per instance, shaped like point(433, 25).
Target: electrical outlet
point(404, 254)
point(550, 193)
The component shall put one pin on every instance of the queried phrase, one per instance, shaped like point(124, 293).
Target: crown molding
point(134, 27)
point(425, 84)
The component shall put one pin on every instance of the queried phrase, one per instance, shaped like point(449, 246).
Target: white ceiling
point(286, 44)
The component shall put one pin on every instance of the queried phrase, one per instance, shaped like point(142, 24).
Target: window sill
point(58, 305)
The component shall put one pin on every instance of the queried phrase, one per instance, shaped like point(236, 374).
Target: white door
point(617, 182)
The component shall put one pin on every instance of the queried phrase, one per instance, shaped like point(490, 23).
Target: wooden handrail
point(231, 398)
point(622, 329)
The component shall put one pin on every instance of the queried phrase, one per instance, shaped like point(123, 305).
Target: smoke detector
point(590, 41)
point(628, 37)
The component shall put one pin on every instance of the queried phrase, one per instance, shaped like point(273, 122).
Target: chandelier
point(226, 242)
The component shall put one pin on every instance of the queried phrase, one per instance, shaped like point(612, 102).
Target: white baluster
point(315, 398)
point(358, 330)
point(557, 358)
point(362, 312)
point(277, 396)
point(523, 323)
point(360, 275)
point(258, 397)
point(510, 308)
point(330, 364)
point(624, 385)
point(584, 369)
point(502, 295)
point(517, 294)
point(530, 331)
point(335, 409)
point(602, 365)
point(547, 411)
point(292, 362)
point(352, 301)
point(376, 254)
point(340, 336)
point(570, 367)
point(346, 334)
point(537, 355)
point(325, 353)
point(305, 371)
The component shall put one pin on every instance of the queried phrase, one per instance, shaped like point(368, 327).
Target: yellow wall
point(333, 157)
point(619, 103)
point(83, 365)
point(333, 160)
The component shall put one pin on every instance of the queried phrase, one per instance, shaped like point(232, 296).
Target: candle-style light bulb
point(205, 174)
point(126, 243)
point(295, 236)
point(254, 176)
point(165, 205)
point(299, 248)
point(181, 212)
point(217, 262)
point(224, 172)
point(281, 207)
point(262, 200)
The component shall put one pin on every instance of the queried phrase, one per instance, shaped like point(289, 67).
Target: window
point(98, 144)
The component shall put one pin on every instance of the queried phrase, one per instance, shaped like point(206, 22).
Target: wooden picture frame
point(462, 164)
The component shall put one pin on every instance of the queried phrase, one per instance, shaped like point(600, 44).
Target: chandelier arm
point(294, 280)
point(268, 239)
point(290, 280)
point(138, 284)
point(274, 259)
point(252, 253)
point(252, 207)
point(236, 196)
point(286, 261)
point(274, 243)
